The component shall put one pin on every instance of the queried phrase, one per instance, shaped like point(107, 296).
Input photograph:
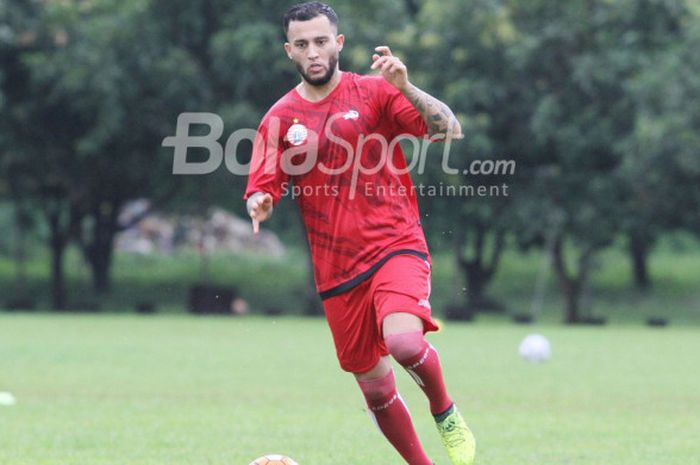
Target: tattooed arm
point(438, 116)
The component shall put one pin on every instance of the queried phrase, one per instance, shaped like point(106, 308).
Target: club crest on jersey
point(352, 114)
point(297, 133)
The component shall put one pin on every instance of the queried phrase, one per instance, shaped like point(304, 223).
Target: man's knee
point(378, 382)
point(403, 346)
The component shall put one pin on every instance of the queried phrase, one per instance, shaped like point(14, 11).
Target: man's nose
point(312, 52)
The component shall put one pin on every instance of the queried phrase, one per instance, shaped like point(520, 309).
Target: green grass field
point(176, 390)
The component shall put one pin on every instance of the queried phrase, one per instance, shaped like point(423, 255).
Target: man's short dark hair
point(307, 11)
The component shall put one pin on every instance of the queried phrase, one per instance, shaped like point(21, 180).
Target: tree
point(661, 160)
point(545, 84)
point(580, 57)
point(461, 51)
point(39, 135)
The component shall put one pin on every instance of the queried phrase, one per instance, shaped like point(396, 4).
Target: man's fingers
point(385, 63)
point(264, 202)
point(394, 67)
point(386, 67)
point(254, 219)
point(259, 209)
point(379, 62)
point(390, 63)
point(383, 49)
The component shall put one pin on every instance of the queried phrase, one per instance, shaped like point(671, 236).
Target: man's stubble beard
point(323, 80)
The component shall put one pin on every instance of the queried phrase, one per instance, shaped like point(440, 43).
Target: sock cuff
point(378, 388)
point(441, 416)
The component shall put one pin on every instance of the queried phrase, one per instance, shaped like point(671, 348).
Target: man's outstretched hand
point(259, 208)
point(440, 120)
point(391, 67)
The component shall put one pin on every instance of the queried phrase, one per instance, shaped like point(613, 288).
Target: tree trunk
point(478, 271)
point(572, 284)
point(571, 302)
point(313, 305)
point(639, 253)
point(567, 283)
point(22, 229)
point(101, 266)
point(100, 250)
point(59, 297)
point(477, 280)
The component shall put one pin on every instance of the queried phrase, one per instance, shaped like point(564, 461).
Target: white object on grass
point(7, 399)
point(535, 348)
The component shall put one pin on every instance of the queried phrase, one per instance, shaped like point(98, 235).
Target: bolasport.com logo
point(302, 156)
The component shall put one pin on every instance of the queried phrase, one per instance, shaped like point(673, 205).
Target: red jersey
point(355, 219)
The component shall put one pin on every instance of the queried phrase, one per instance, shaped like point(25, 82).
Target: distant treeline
point(595, 101)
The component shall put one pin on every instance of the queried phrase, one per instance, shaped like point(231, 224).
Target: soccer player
point(334, 136)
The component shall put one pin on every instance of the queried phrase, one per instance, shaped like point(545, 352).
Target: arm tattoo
point(437, 115)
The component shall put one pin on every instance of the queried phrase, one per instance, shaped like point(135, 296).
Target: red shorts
point(355, 317)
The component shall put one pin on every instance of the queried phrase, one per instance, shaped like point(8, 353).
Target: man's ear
point(340, 40)
point(288, 49)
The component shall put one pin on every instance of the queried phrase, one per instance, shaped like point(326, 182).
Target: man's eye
point(301, 45)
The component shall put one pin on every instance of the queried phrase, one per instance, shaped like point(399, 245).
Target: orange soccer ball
point(273, 460)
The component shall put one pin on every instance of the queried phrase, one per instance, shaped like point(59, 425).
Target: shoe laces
point(452, 432)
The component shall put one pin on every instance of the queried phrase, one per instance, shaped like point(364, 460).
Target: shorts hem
point(429, 324)
point(363, 369)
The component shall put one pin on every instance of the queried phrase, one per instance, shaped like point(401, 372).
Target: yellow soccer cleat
point(456, 437)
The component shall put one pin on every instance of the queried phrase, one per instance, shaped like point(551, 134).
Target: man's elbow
point(454, 130)
point(451, 130)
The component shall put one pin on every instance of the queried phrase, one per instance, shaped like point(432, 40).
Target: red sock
point(421, 361)
point(392, 417)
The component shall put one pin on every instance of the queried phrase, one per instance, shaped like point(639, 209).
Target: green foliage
point(592, 99)
point(547, 83)
point(165, 281)
point(662, 157)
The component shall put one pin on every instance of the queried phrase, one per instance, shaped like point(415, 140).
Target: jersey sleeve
point(266, 174)
point(400, 111)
